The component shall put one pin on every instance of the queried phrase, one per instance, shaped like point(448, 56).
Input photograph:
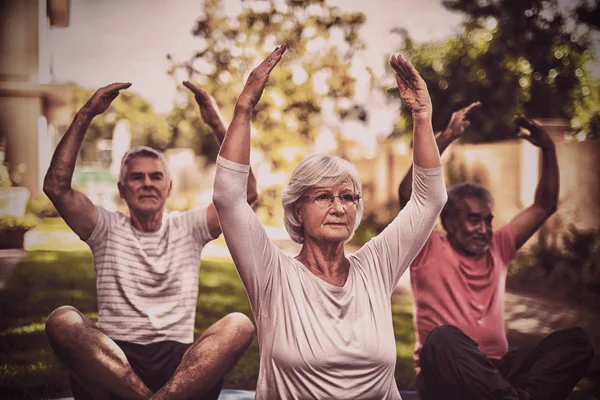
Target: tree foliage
point(321, 42)
point(523, 56)
point(146, 126)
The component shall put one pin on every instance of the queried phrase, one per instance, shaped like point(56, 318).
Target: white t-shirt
point(147, 283)
point(319, 341)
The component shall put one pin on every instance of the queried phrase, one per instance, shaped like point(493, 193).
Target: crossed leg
point(452, 367)
point(98, 364)
point(551, 368)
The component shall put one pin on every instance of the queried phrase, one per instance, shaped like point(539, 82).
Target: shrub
point(13, 228)
point(42, 208)
point(562, 261)
point(17, 223)
point(368, 228)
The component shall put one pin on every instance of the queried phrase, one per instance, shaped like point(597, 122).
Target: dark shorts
point(154, 363)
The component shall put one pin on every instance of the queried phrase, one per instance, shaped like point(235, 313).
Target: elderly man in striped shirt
point(146, 267)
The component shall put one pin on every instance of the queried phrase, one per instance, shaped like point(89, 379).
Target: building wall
point(19, 52)
point(20, 120)
point(30, 106)
point(511, 171)
point(579, 183)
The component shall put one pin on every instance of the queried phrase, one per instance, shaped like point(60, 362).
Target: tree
point(146, 127)
point(515, 57)
point(321, 42)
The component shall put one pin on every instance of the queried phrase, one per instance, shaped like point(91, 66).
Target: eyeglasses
point(326, 200)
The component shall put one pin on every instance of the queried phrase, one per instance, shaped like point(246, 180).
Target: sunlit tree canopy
point(515, 57)
point(234, 36)
point(146, 126)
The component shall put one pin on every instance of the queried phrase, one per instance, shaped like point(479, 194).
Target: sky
point(128, 41)
point(114, 40)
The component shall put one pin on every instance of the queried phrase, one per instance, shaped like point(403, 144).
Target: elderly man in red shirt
point(458, 282)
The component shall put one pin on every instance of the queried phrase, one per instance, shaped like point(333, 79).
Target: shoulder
point(107, 217)
point(436, 247)
point(503, 236)
point(437, 239)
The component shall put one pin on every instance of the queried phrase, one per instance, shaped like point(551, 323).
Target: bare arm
point(528, 221)
point(414, 94)
point(457, 125)
point(209, 110)
point(76, 208)
point(236, 145)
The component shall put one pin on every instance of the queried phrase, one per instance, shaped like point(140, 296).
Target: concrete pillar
point(20, 118)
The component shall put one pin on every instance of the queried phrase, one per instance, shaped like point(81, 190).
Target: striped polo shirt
point(147, 283)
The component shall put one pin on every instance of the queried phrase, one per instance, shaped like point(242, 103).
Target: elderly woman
point(324, 319)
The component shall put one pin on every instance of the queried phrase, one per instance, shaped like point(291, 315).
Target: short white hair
point(142, 151)
point(317, 171)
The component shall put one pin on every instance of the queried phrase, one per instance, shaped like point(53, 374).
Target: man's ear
point(170, 187)
point(120, 190)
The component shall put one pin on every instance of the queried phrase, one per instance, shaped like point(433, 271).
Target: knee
point(444, 341)
point(63, 321)
point(443, 336)
point(240, 327)
point(581, 342)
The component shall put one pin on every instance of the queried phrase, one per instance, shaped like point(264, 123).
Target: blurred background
point(332, 92)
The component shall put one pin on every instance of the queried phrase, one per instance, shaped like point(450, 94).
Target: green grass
point(45, 280)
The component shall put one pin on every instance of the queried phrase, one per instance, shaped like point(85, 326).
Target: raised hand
point(102, 98)
point(207, 104)
point(537, 135)
point(413, 90)
point(459, 122)
point(257, 80)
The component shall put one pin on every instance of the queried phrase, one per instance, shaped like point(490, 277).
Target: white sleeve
point(196, 223)
point(254, 255)
point(100, 231)
point(392, 251)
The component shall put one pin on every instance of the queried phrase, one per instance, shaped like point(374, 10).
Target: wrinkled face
point(469, 229)
point(146, 185)
point(328, 222)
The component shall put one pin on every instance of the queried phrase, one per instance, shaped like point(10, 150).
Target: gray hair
point(142, 151)
point(319, 170)
point(463, 190)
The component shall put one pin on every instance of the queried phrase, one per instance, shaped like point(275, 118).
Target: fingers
point(471, 106)
point(404, 70)
point(273, 59)
point(191, 87)
point(199, 93)
point(264, 68)
point(116, 86)
point(401, 83)
point(523, 121)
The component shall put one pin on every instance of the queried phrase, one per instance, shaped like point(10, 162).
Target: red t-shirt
point(452, 289)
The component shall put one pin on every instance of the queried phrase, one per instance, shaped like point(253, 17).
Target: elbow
point(548, 207)
point(441, 200)
point(54, 188)
point(251, 198)
point(223, 199)
point(551, 208)
point(218, 199)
